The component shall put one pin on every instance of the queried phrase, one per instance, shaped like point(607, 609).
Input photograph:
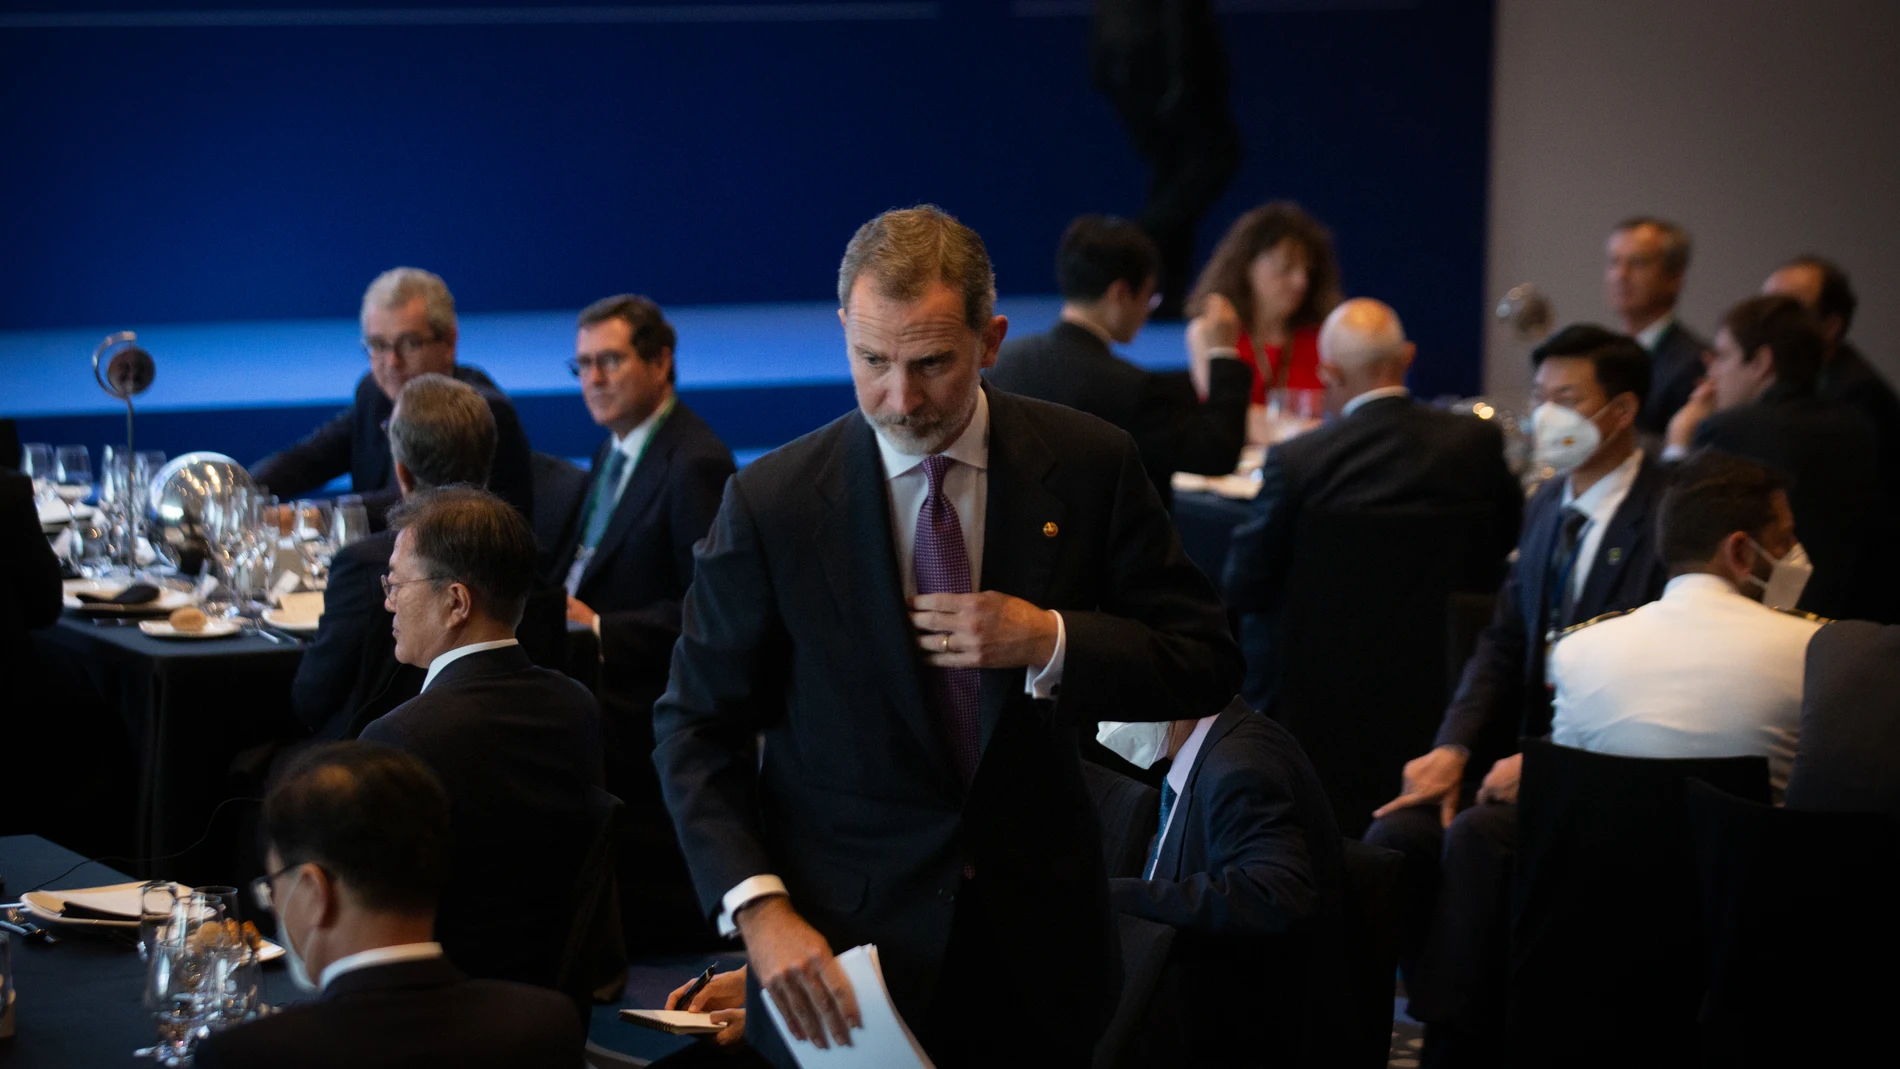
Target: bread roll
point(189, 618)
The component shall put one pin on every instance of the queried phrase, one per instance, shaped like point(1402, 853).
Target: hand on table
point(579, 613)
point(1699, 406)
point(723, 998)
point(1434, 779)
point(799, 972)
point(986, 630)
point(1500, 784)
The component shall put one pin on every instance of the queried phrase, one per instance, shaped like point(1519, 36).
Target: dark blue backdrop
point(235, 169)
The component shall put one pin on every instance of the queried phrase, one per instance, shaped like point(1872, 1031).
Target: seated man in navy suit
point(1246, 865)
point(626, 562)
point(357, 850)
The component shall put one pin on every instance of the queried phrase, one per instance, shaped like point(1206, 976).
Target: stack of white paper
point(884, 1042)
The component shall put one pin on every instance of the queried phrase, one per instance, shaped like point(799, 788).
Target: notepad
point(676, 1022)
point(884, 1042)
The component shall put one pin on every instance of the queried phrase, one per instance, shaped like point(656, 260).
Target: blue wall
point(232, 171)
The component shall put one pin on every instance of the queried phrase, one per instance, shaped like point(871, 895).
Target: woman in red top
point(1264, 293)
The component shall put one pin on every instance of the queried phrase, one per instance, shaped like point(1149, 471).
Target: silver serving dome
point(178, 495)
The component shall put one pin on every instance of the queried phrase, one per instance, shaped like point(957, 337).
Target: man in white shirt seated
point(357, 853)
point(1712, 669)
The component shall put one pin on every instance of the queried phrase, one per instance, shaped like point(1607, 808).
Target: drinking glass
point(72, 471)
point(172, 976)
point(349, 520)
point(36, 462)
point(1291, 413)
point(6, 985)
point(227, 988)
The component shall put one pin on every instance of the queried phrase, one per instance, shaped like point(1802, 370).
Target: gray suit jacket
point(1849, 755)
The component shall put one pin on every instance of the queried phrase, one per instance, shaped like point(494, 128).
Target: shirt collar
point(1601, 500)
point(1650, 335)
point(972, 447)
point(1183, 765)
point(1693, 584)
point(367, 959)
point(1374, 394)
point(637, 437)
point(443, 661)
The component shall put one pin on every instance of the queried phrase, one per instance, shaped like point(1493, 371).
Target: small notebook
point(677, 1022)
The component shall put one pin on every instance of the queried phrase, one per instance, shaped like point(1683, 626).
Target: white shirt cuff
point(1673, 453)
point(1226, 352)
point(748, 891)
point(1048, 680)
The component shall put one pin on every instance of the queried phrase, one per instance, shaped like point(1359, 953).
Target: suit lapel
point(1018, 553)
point(644, 487)
point(853, 543)
point(1621, 541)
point(1168, 862)
point(1543, 536)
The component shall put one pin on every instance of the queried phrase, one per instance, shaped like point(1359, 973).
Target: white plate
point(212, 629)
point(167, 599)
point(45, 906)
point(304, 625)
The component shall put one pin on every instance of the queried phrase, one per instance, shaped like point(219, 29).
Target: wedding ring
point(944, 646)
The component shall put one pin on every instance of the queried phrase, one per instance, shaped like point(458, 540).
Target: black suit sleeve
point(352, 607)
point(1258, 878)
point(512, 475)
point(31, 569)
point(731, 639)
point(1507, 494)
point(1158, 646)
point(646, 635)
point(1260, 548)
point(321, 456)
point(1493, 678)
point(1175, 431)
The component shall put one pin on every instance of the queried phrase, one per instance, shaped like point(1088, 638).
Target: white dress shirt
point(1374, 394)
point(1599, 503)
point(365, 959)
point(1178, 774)
point(1650, 335)
point(966, 484)
point(436, 666)
point(631, 446)
point(1703, 672)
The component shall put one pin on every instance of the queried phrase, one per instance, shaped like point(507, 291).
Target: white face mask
point(293, 961)
point(1565, 437)
point(1787, 577)
point(1140, 745)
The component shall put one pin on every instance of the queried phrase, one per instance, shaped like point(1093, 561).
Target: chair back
point(1605, 947)
point(1128, 1041)
point(592, 907)
point(1372, 900)
point(1128, 815)
point(1800, 935)
point(1362, 639)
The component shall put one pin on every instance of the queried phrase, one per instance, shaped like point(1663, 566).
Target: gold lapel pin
point(1616, 554)
point(1049, 529)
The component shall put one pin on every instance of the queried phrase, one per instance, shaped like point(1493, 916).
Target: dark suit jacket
point(1675, 366)
point(1849, 755)
point(1250, 873)
point(1391, 452)
point(1502, 694)
point(1842, 514)
point(30, 595)
point(1851, 380)
point(408, 1014)
point(796, 627)
point(356, 441)
point(517, 747)
point(1172, 429)
point(349, 674)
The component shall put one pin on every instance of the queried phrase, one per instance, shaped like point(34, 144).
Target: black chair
point(1359, 653)
point(1373, 894)
point(1802, 942)
point(1147, 1022)
point(1128, 815)
point(559, 487)
point(592, 950)
point(1605, 948)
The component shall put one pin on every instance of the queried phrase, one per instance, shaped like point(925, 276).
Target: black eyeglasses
point(389, 588)
point(608, 363)
point(405, 346)
point(260, 888)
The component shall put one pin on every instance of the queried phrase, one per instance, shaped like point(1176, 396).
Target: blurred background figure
point(1647, 262)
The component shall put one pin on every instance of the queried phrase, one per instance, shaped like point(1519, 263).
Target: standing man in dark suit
point(1106, 270)
point(1848, 758)
point(1846, 376)
point(517, 747)
point(626, 563)
point(409, 329)
point(1588, 547)
point(357, 855)
point(1642, 281)
point(1759, 402)
point(1383, 450)
point(915, 606)
point(1246, 865)
point(441, 433)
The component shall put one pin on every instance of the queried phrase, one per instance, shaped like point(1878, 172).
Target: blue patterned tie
point(942, 566)
point(1168, 796)
point(600, 503)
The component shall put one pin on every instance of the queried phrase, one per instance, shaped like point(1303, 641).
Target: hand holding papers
point(880, 1041)
point(813, 1000)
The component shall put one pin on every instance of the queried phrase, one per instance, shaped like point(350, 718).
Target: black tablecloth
point(1206, 521)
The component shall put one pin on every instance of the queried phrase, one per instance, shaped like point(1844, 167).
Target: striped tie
point(942, 566)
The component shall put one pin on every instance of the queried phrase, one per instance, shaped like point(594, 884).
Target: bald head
point(1362, 347)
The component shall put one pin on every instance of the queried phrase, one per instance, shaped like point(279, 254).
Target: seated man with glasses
point(517, 747)
point(409, 329)
point(356, 843)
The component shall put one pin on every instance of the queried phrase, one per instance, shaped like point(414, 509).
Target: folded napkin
point(136, 594)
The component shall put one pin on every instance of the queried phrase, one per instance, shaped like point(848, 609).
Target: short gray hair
point(906, 249)
point(442, 432)
point(400, 285)
point(1675, 240)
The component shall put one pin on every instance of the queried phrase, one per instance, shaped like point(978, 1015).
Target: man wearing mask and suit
point(1587, 547)
point(441, 433)
point(1246, 867)
point(409, 329)
point(356, 851)
point(626, 563)
point(916, 606)
point(1759, 402)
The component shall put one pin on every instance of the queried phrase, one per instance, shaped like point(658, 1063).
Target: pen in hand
point(686, 1000)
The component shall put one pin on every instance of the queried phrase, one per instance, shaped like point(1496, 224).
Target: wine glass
point(36, 462)
point(349, 520)
point(72, 470)
point(172, 976)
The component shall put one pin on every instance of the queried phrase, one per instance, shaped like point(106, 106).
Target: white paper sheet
point(884, 1042)
point(678, 1022)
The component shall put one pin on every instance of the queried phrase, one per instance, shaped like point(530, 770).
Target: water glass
point(172, 977)
point(36, 462)
point(349, 520)
point(72, 470)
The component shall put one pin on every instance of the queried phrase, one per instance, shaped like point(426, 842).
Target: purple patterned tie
point(942, 565)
